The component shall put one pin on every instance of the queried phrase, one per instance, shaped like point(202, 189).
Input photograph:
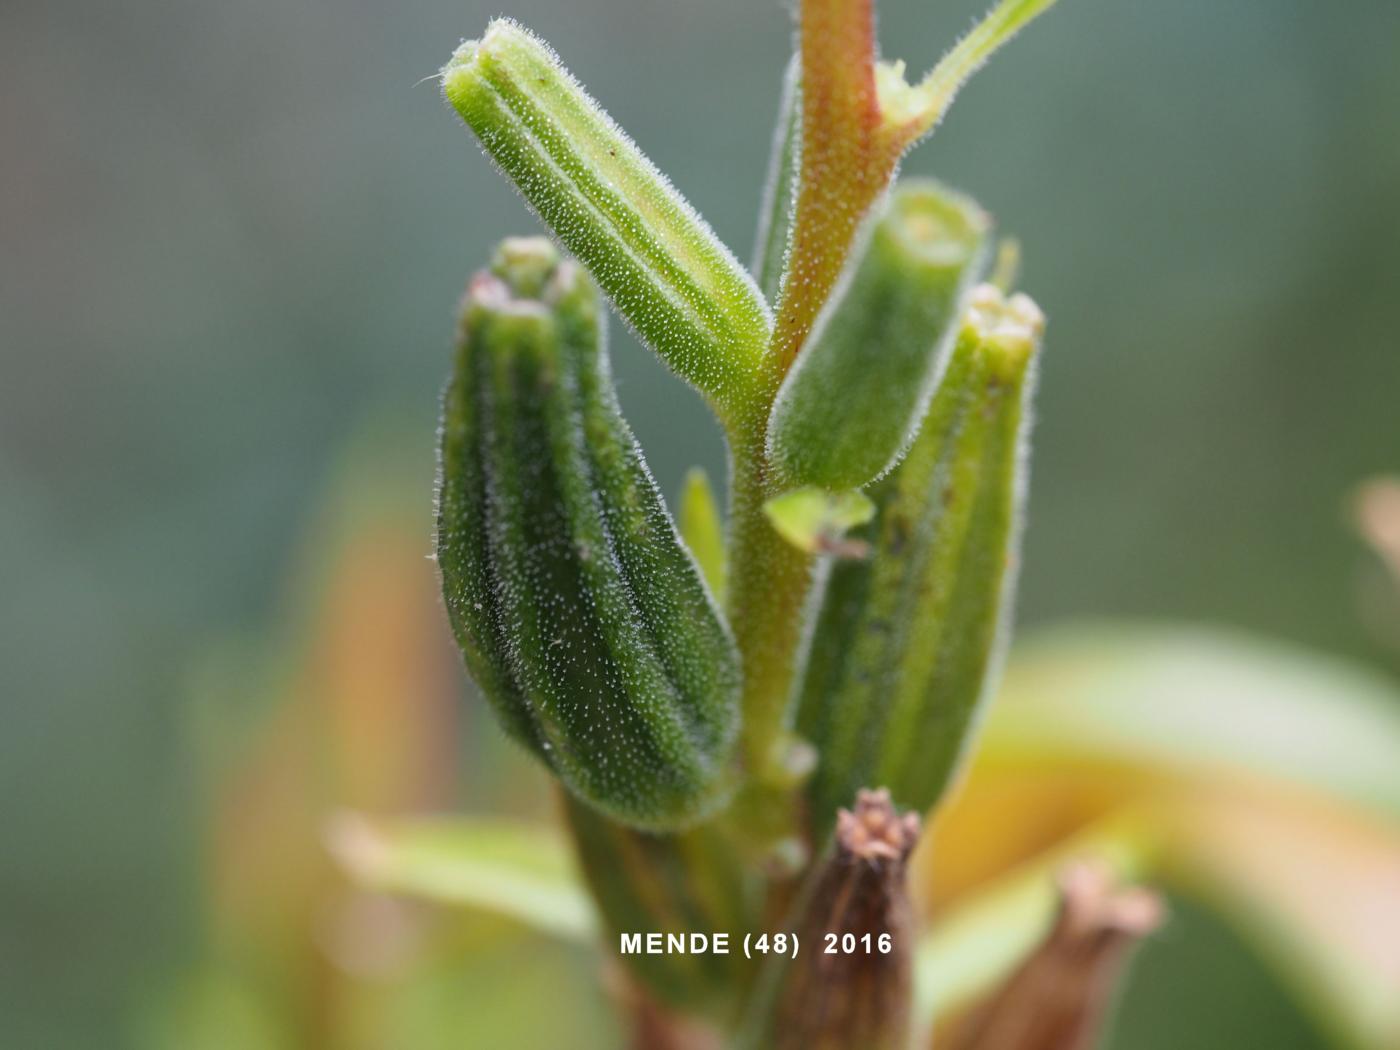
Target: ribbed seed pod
point(855, 397)
point(672, 884)
point(663, 267)
point(904, 641)
point(582, 617)
point(780, 189)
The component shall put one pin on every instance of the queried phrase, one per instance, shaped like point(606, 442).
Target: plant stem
point(848, 120)
point(768, 585)
point(844, 163)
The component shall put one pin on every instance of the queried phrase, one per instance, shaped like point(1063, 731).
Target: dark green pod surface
point(853, 400)
point(676, 883)
point(904, 640)
point(581, 616)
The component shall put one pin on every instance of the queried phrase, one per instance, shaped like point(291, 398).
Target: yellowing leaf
point(1315, 886)
point(1199, 702)
point(1269, 779)
point(522, 871)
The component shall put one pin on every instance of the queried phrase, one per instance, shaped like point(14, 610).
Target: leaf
point(912, 112)
point(507, 868)
point(1313, 885)
point(1267, 774)
point(1198, 701)
point(815, 521)
point(703, 531)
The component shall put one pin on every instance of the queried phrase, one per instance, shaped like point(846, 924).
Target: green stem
point(768, 586)
point(768, 577)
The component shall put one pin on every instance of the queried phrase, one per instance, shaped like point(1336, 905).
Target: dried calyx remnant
point(852, 981)
point(1060, 996)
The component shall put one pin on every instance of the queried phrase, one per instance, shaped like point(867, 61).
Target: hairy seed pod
point(770, 254)
point(855, 397)
point(581, 615)
point(905, 640)
point(666, 271)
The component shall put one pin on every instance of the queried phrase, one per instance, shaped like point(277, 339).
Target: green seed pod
point(780, 189)
point(904, 643)
point(581, 615)
point(675, 885)
point(669, 275)
point(853, 401)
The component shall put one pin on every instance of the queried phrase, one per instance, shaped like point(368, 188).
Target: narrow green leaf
point(521, 871)
point(906, 641)
point(703, 531)
point(852, 403)
point(665, 270)
point(579, 612)
point(911, 112)
point(816, 521)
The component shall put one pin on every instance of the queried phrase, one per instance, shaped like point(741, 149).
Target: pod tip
point(525, 264)
point(1010, 326)
point(940, 226)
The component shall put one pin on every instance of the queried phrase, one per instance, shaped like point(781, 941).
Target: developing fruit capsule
point(908, 639)
point(581, 615)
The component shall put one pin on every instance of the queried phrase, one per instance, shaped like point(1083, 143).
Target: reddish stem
point(845, 160)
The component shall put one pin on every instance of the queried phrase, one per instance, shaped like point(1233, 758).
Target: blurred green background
point(232, 235)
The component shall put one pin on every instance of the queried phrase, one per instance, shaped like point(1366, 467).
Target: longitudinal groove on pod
point(580, 613)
